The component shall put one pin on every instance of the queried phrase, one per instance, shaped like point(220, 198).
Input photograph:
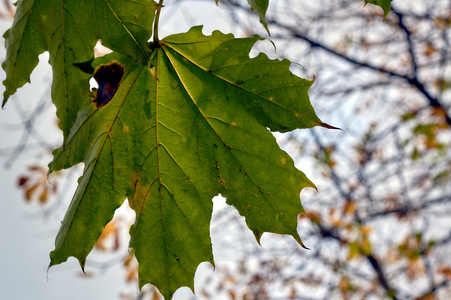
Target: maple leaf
point(190, 124)
point(69, 30)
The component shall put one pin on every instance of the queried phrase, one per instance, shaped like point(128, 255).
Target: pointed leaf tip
point(384, 4)
point(304, 246)
point(298, 239)
point(260, 7)
point(325, 125)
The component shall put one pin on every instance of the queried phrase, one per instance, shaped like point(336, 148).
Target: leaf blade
point(179, 131)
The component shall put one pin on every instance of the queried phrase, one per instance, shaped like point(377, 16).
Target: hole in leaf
point(93, 84)
point(108, 79)
point(100, 50)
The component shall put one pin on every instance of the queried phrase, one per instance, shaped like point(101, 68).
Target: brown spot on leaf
point(108, 78)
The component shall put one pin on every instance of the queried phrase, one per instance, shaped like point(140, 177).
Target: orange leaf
point(365, 246)
point(54, 187)
point(345, 286)
point(30, 190)
point(428, 296)
point(22, 180)
point(128, 260)
point(36, 168)
point(349, 207)
point(132, 275)
point(110, 229)
point(445, 270)
point(44, 196)
point(313, 216)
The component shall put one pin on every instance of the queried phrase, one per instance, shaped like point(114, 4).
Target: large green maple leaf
point(69, 30)
point(190, 124)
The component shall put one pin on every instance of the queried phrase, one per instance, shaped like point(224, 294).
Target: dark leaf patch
point(108, 78)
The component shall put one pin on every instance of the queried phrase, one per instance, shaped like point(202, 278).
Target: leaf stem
point(156, 41)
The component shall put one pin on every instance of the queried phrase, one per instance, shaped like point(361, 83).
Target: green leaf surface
point(189, 125)
point(384, 4)
point(69, 30)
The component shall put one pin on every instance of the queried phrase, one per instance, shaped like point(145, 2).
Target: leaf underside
point(188, 125)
